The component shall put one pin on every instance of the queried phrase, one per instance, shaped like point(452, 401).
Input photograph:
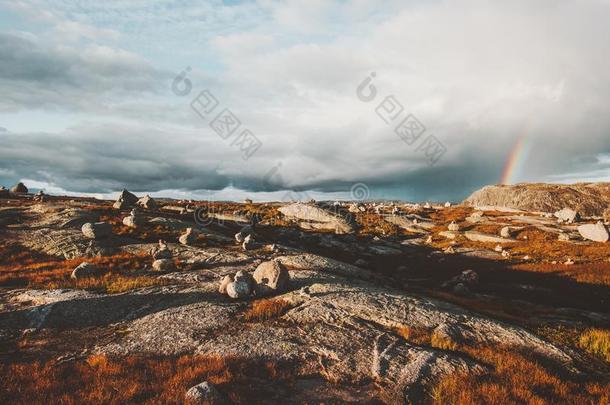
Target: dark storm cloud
point(34, 74)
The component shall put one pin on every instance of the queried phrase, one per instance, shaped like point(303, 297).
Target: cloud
point(34, 75)
point(479, 76)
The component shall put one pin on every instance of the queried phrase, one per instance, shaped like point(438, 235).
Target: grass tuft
point(597, 342)
point(263, 310)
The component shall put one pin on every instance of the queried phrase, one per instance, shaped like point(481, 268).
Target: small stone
point(162, 251)
point(453, 227)
point(133, 220)
point(567, 215)
point(83, 270)
point(569, 262)
point(563, 237)
point(188, 237)
point(506, 232)
point(447, 204)
point(498, 249)
point(461, 289)
point(224, 283)
point(449, 250)
point(97, 230)
point(505, 253)
point(203, 393)
point(239, 237)
point(429, 240)
point(163, 265)
point(249, 243)
point(594, 232)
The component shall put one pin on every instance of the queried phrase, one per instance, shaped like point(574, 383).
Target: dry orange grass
point(416, 335)
point(513, 377)
point(597, 342)
point(591, 273)
point(263, 310)
point(135, 379)
point(20, 266)
point(373, 224)
point(516, 378)
point(445, 216)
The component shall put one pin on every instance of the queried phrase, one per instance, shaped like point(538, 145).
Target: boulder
point(203, 393)
point(125, 200)
point(163, 265)
point(188, 237)
point(97, 230)
point(242, 275)
point(447, 204)
point(19, 188)
point(594, 232)
point(506, 232)
point(475, 217)
point(567, 215)
point(239, 289)
point(85, 269)
point(271, 277)
point(147, 202)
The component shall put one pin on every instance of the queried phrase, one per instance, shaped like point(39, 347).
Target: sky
point(413, 100)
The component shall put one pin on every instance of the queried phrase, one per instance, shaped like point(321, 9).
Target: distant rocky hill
point(590, 199)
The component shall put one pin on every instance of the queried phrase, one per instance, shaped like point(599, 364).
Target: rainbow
point(516, 159)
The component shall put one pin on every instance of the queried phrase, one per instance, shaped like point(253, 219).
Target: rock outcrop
point(589, 199)
point(125, 200)
point(310, 216)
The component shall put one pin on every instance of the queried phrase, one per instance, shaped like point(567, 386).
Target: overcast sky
point(91, 100)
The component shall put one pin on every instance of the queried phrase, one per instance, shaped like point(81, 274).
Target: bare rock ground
point(364, 311)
